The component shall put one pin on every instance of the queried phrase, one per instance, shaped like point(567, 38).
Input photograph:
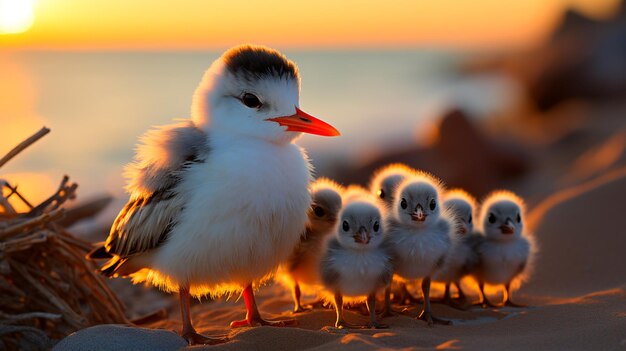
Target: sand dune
point(580, 233)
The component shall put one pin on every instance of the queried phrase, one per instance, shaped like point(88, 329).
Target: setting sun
point(16, 16)
point(196, 24)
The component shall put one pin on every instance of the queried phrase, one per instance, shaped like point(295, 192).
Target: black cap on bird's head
point(255, 62)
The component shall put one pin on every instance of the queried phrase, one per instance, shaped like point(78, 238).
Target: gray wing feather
point(161, 154)
point(149, 216)
point(387, 251)
point(303, 248)
point(329, 274)
point(473, 241)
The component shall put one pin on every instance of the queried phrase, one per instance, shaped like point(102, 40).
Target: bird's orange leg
point(253, 317)
point(189, 332)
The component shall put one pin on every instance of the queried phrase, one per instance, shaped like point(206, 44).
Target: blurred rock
point(115, 337)
point(461, 155)
point(582, 59)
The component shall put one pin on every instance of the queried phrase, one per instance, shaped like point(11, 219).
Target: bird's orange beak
point(304, 122)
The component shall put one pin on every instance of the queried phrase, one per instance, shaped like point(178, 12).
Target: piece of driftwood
point(23, 145)
point(47, 288)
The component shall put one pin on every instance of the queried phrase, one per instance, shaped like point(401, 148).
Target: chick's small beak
point(305, 123)
point(419, 214)
point(362, 236)
point(508, 227)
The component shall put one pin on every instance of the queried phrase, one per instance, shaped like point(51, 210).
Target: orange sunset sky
point(197, 24)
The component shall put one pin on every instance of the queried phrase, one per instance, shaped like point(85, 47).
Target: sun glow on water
point(16, 16)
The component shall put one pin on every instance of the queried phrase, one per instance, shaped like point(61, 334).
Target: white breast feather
point(501, 260)
point(245, 212)
point(360, 272)
point(417, 252)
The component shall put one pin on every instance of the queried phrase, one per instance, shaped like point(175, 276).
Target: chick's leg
point(371, 306)
point(297, 305)
point(426, 314)
point(507, 300)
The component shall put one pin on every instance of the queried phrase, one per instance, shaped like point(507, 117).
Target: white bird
point(421, 234)
point(462, 258)
point(357, 261)
point(506, 250)
point(218, 201)
point(385, 180)
point(303, 266)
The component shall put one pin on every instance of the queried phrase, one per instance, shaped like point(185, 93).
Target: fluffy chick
point(385, 180)
point(302, 266)
point(421, 234)
point(462, 258)
point(506, 250)
point(357, 261)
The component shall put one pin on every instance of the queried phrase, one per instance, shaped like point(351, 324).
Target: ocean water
point(97, 104)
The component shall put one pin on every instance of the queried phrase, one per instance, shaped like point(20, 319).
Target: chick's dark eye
point(403, 204)
point(345, 226)
point(433, 204)
point(319, 212)
point(381, 193)
point(492, 218)
point(376, 226)
point(470, 219)
point(251, 100)
point(519, 218)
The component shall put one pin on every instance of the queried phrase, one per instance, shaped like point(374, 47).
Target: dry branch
point(17, 193)
point(66, 191)
point(31, 223)
point(47, 289)
point(23, 145)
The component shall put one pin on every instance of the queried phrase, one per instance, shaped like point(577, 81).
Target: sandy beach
point(576, 295)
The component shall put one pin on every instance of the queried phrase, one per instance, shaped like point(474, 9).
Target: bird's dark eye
point(519, 218)
point(381, 193)
point(403, 204)
point(345, 226)
point(492, 218)
point(319, 212)
point(251, 100)
point(433, 204)
point(470, 219)
point(376, 226)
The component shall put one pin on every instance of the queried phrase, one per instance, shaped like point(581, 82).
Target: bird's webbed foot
point(342, 324)
point(510, 303)
point(301, 309)
point(431, 320)
point(193, 338)
point(257, 322)
point(377, 325)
